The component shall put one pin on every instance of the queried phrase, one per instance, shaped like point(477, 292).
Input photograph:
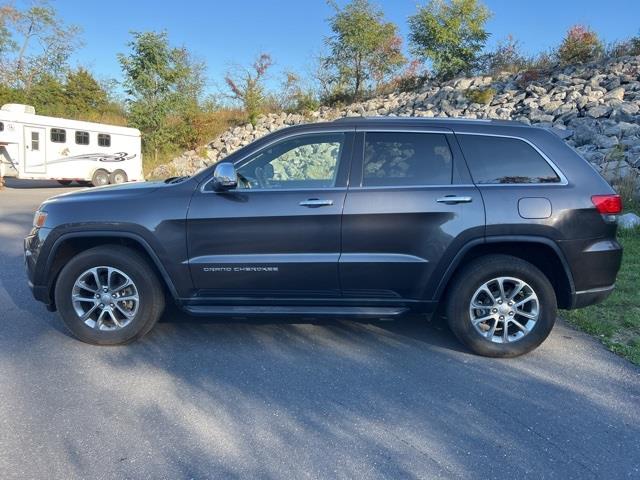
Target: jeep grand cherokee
point(498, 222)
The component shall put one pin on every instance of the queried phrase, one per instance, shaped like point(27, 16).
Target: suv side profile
point(497, 222)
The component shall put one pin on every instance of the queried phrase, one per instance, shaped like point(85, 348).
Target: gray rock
point(599, 111)
point(616, 93)
point(629, 220)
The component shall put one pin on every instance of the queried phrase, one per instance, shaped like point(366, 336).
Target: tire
point(144, 312)
point(492, 270)
point(118, 177)
point(65, 182)
point(100, 178)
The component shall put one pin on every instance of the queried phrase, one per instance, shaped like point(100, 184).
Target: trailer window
point(35, 141)
point(104, 140)
point(82, 138)
point(58, 135)
point(1, 127)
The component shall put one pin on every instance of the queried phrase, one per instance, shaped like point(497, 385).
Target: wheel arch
point(68, 245)
point(542, 252)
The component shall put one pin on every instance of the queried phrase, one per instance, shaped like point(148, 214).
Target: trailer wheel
point(118, 176)
point(100, 178)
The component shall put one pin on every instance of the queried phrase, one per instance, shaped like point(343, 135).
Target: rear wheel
point(100, 178)
point(118, 176)
point(109, 296)
point(501, 306)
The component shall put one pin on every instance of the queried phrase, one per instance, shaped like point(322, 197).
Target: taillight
point(607, 204)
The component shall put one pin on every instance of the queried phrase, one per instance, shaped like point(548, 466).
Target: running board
point(304, 311)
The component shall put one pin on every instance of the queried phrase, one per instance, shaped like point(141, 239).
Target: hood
point(132, 189)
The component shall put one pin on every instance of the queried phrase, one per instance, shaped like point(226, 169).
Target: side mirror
point(224, 177)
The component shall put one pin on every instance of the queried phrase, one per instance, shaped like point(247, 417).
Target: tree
point(450, 34)
point(580, 44)
point(34, 43)
point(247, 85)
point(83, 93)
point(163, 84)
point(364, 50)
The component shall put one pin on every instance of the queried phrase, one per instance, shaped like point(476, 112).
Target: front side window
point(58, 135)
point(307, 161)
point(401, 158)
point(503, 160)
point(35, 141)
point(104, 140)
point(82, 138)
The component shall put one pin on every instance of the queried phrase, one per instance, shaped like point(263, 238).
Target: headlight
point(39, 218)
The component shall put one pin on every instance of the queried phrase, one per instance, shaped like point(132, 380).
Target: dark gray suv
point(497, 222)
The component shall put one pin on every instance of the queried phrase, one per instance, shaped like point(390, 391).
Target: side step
point(303, 311)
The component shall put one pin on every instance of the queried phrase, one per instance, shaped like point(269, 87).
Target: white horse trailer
point(38, 147)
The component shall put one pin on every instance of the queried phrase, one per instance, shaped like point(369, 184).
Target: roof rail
point(438, 119)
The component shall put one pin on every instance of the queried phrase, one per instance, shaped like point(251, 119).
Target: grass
point(616, 322)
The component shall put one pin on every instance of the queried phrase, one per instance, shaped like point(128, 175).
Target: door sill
point(306, 311)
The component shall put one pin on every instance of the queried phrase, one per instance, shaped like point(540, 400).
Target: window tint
point(505, 160)
point(307, 161)
point(82, 138)
point(104, 140)
point(58, 135)
point(397, 158)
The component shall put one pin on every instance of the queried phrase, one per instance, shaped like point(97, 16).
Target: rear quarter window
point(502, 160)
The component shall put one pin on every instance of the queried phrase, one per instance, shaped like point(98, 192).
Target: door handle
point(453, 199)
point(315, 202)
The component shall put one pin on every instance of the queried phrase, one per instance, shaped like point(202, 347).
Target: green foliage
point(450, 34)
point(580, 45)
point(483, 96)
point(295, 98)
point(247, 86)
point(507, 57)
point(163, 86)
point(34, 43)
point(364, 51)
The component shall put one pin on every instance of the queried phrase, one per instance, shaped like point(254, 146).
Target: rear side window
point(58, 135)
point(500, 160)
point(400, 158)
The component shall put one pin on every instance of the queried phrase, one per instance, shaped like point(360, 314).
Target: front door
point(34, 150)
point(278, 234)
point(410, 205)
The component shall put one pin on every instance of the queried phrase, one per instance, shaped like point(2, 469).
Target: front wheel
point(501, 306)
point(108, 295)
point(100, 178)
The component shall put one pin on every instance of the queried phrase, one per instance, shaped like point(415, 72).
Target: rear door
point(409, 208)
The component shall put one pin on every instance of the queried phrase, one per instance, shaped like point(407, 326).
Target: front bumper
point(32, 246)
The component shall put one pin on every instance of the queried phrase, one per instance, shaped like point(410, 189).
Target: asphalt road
point(297, 399)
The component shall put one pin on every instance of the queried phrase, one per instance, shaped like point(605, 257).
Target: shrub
point(629, 47)
point(507, 57)
point(580, 45)
point(483, 96)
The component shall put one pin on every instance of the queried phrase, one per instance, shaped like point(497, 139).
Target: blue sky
point(292, 31)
